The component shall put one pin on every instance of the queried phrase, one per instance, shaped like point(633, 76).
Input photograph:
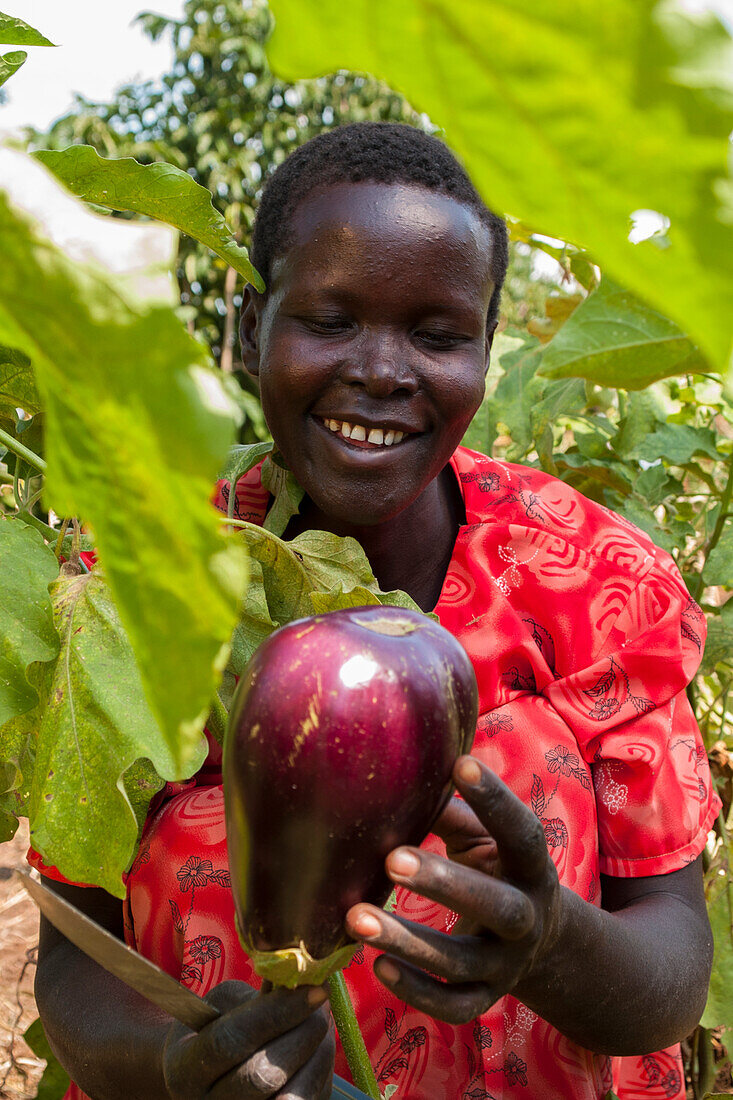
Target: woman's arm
point(630, 978)
point(116, 1045)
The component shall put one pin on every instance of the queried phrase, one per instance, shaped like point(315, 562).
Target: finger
point(518, 832)
point(456, 1004)
point(458, 824)
point(316, 1076)
point(495, 904)
point(455, 958)
point(269, 1069)
point(230, 995)
point(235, 1036)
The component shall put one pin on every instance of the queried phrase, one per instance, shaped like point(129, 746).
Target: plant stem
point(22, 452)
point(60, 539)
point(351, 1038)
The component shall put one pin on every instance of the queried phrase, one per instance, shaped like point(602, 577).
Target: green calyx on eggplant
point(341, 742)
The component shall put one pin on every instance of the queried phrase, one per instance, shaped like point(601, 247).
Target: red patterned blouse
point(583, 638)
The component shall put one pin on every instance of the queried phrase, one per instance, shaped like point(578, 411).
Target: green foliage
point(719, 896)
point(158, 190)
point(569, 117)
point(614, 339)
point(136, 428)
point(92, 723)
point(14, 32)
point(10, 63)
point(27, 632)
point(55, 1079)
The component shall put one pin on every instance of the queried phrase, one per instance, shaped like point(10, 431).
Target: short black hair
point(380, 152)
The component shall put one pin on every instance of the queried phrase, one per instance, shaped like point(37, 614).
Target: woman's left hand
point(502, 883)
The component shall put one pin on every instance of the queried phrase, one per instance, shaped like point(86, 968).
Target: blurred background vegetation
point(662, 456)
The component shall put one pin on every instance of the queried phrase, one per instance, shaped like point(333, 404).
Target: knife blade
point(136, 971)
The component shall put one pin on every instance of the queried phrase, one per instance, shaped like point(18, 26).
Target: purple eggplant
point(342, 737)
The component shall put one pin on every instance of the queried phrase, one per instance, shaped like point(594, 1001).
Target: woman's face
point(371, 344)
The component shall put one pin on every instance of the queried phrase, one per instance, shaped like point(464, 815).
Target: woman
point(583, 926)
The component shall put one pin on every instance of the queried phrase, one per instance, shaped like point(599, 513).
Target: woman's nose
point(381, 364)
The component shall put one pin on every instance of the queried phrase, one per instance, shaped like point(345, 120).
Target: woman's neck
point(411, 551)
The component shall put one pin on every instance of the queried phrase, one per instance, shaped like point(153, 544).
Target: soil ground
point(20, 1070)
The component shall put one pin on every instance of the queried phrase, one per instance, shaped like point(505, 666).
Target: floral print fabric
point(583, 638)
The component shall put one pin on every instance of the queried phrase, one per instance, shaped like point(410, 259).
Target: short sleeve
point(637, 733)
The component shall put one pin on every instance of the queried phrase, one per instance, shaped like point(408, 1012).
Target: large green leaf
point(92, 724)
point(677, 443)
point(14, 32)
point(570, 117)
point(159, 190)
point(719, 566)
point(615, 339)
point(27, 633)
point(719, 895)
point(10, 63)
point(137, 426)
point(17, 387)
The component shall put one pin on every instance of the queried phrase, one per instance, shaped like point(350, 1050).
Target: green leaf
point(159, 190)
point(253, 626)
point(14, 32)
point(10, 63)
point(55, 1079)
point(337, 600)
point(27, 633)
point(283, 487)
point(614, 339)
point(644, 410)
point(719, 566)
point(17, 387)
point(92, 724)
point(137, 427)
point(240, 460)
point(719, 896)
point(638, 512)
point(569, 117)
point(677, 443)
point(331, 560)
point(718, 645)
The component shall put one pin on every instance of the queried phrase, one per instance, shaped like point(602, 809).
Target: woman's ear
point(248, 330)
point(487, 347)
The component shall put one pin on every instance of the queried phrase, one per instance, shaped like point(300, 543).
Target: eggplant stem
point(351, 1038)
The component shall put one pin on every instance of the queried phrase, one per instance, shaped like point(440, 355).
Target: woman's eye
point(327, 325)
point(439, 339)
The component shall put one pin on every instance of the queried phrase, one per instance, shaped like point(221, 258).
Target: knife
point(135, 970)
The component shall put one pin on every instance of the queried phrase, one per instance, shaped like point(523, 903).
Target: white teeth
point(377, 436)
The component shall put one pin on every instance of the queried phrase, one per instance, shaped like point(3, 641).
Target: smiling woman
point(564, 941)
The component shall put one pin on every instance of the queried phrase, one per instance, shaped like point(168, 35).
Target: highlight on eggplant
point(342, 737)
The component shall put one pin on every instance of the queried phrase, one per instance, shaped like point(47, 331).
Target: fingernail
point(367, 925)
point(404, 863)
point(387, 972)
point(316, 996)
point(469, 772)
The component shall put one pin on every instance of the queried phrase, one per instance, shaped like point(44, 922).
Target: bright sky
point(98, 50)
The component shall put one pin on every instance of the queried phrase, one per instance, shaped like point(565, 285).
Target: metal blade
point(119, 959)
point(135, 970)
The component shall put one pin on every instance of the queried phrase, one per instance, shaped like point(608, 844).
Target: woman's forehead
point(387, 220)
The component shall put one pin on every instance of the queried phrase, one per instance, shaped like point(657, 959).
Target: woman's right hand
point(278, 1044)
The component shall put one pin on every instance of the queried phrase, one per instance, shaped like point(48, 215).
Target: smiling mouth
point(361, 436)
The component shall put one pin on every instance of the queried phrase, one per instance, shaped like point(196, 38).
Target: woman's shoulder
point(510, 495)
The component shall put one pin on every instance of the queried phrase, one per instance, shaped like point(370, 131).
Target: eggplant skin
point(342, 738)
